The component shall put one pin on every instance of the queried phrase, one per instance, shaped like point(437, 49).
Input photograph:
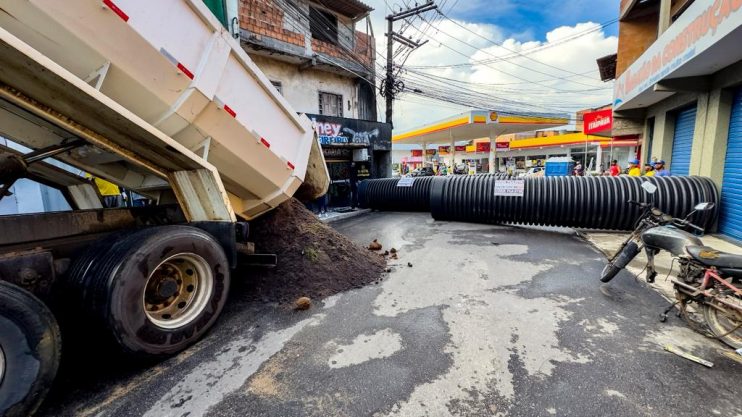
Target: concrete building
point(321, 55)
point(679, 87)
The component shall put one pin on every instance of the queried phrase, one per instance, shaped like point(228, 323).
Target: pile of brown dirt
point(313, 259)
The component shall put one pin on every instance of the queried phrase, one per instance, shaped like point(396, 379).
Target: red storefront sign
point(483, 146)
point(502, 146)
point(597, 121)
point(461, 148)
point(417, 152)
point(430, 151)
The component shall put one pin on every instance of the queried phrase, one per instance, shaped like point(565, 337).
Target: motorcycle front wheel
point(609, 271)
point(628, 252)
point(725, 326)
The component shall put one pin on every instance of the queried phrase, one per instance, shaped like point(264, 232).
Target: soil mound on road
point(313, 259)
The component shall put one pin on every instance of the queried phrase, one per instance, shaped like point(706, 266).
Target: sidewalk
point(333, 216)
point(608, 243)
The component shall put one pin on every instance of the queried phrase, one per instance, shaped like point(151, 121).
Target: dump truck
point(156, 97)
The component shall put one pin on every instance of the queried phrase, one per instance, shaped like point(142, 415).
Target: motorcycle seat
point(712, 257)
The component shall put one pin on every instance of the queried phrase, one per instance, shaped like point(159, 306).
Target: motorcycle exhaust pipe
point(613, 267)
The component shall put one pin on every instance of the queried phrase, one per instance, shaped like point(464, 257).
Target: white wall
point(398, 154)
point(301, 88)
point(29, 196)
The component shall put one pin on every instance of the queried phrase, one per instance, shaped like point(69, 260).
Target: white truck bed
point(162, 91)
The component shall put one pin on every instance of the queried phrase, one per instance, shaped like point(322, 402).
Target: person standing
point(353, 185)
point(110, 192)
point(649, 170)
point(634, 170)
point(579, 171)
point(660, 170)
point(615, 170)
point(322, 202)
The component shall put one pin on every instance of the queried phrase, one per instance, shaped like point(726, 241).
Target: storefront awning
point(558, 140)
point(477, 124)
point(704, 39)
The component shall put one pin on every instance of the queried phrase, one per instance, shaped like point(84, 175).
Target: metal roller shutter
point(730, 220)
point(682, 141)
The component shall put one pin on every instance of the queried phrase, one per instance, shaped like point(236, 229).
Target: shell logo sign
point(493, 116)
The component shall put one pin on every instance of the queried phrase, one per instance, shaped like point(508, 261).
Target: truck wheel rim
point(178, 290)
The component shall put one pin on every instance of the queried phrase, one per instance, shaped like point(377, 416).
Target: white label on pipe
point(406, 182)
point(509, 188)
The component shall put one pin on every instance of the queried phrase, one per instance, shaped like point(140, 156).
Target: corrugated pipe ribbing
point(582, 202)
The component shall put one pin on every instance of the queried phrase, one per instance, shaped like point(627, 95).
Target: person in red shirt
point(615, 169)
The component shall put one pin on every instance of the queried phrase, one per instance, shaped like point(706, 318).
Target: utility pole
point(391, 36)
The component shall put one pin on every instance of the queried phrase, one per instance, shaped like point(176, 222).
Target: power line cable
point(545, 46)
point(505, 72)
point(499, 44)
point(482, 50)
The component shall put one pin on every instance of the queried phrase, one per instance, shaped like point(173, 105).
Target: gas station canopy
point(476, 124)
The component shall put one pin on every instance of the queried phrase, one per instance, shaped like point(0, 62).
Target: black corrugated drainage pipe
point(388, 195)
point(582, 202)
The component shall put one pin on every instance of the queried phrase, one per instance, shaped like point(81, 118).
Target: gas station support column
point(453, 151)
point(493, 151)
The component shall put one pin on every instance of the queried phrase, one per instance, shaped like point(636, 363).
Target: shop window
point(324, 25)
point(278, 86)
point(330, 104)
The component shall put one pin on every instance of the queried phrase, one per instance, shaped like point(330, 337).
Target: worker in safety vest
point(109, 191)
point(634, 170)
point(649, 169)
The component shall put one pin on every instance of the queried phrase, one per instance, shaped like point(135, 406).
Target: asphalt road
point(487, 321)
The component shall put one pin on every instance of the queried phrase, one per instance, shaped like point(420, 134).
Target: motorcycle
point(710, 278)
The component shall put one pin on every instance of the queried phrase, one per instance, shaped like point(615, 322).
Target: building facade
point(679, 87)
point(320, 55)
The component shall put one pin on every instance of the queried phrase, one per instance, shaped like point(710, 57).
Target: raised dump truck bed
point(173, 66)
point(159, 99)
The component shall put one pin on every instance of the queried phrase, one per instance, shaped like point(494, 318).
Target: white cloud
point(524, 79)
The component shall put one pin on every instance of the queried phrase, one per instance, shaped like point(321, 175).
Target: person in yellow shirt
point(634, 170)
point(649, 169)
point(109, 191)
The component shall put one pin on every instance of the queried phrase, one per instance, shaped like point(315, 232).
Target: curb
point(343, 216)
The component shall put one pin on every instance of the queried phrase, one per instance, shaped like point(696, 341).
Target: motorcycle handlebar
point(685, 223)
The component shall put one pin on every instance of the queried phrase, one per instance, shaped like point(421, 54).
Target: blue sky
point(528, 20)
point(559, 77)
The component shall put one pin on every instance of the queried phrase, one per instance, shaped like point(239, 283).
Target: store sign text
point(660, 60)
point(340, 131)
point(597, 121)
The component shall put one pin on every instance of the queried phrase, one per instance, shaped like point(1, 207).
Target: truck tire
point(154, 291)
point(30, 346)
